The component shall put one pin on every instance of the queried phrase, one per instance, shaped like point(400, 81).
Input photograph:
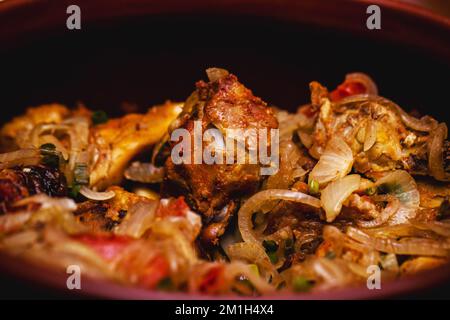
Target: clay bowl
point(141, 53)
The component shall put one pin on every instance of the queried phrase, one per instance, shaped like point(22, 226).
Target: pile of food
point(360, 182)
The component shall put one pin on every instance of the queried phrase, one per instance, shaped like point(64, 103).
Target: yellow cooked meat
point(117, 141)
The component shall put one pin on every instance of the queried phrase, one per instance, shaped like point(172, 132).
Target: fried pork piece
point(105, 215)
point(116, 142)
point(20, 182)
point(213, 190)
point(381, 135)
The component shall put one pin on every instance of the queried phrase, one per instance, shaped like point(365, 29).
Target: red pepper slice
point(346, 89)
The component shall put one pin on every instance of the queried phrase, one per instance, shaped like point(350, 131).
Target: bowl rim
point(55, 279)
point(98, 288)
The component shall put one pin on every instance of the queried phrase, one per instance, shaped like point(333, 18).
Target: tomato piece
point(212, 281)
point(309, 111)
point(346, 89)
point(175, 208)
point(157, 270)
point(107, 246)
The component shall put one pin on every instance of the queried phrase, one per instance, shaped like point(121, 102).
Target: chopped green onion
point(254, 269)
point(74, 191)
point(370, 191)
point(50, 156)
point(301, 284)
point(273, 257)
point(99, 117)
point(270, 245)
point(81, 174)
point(313, 187)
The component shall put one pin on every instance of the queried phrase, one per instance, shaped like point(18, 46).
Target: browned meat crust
point(20, 182)
point(213, 190)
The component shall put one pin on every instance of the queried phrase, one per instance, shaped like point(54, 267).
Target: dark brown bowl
point(144, 52)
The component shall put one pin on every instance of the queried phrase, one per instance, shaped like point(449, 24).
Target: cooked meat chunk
point(117, 141)
point(105, 215)
point(20, 182)
point(375, 129)
point(214, 190)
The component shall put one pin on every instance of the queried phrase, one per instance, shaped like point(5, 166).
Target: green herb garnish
point(313, 187)
point(370, 191)
point(270, 245)
point(99, 117)
point(273, 257)
point(74, 191)
point(301, 284)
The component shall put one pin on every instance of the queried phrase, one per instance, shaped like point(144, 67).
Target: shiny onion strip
point(435, 153)
point(334, 195)
point(22, 157)
point(255, 202)
point(408, 246)
point(335, 162)
point(370, 135)
point(13, 222)
point(391, 208)
point(97, 196)
point(252, 253)
point(401, 185)
point(440, 228)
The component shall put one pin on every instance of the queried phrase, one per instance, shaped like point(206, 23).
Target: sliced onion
point(440, 228)
point(47, 202)
point(334, 195)
point(141, 215)
point(370, 135)
point(365, 80)
point(401, 185)
point(97, 196)
point(336, 162)
point(409, 246)
point(13, 221)
point(236, 269)
point(435, 153)
point(22, 157)
point(254, 203)
point(144, 172)
point(252, 253)
point(390, 209)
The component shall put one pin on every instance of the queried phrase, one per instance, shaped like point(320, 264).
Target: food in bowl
point(352, 182)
